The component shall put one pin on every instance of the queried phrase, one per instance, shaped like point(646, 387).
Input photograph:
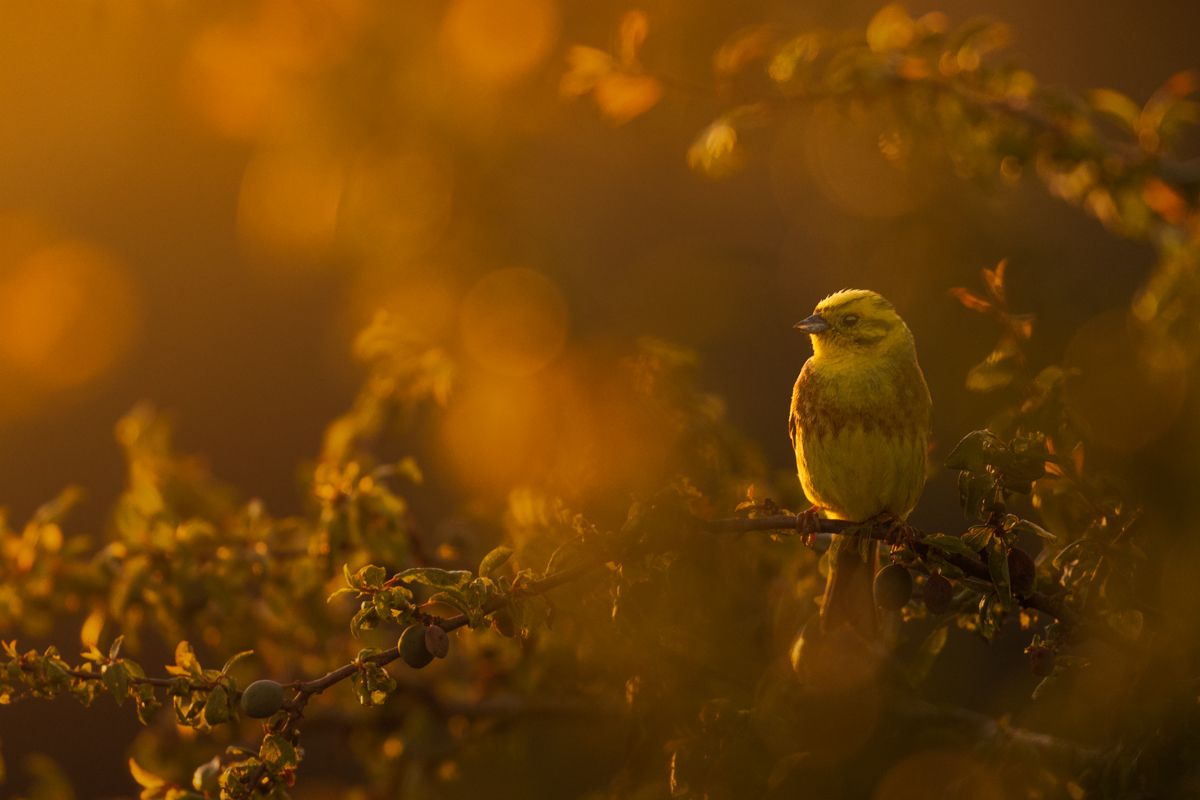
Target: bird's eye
point(850, 319)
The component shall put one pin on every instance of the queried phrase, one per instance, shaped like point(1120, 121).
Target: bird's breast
point(860, 437)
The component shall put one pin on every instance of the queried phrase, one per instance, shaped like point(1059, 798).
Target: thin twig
point(95, 676)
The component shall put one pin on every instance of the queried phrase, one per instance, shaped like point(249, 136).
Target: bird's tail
point(849, 590)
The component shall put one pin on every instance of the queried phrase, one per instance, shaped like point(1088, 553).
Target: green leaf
point(998, 569)
point(455, 598)
point(365, 619)
point(436, 578)
point(371, 576)
point(56, 671)
point(147, 703)
point(185, 659)
point(216, 707)
point(977, 537)
point(1025, 526)
point(115, 649)
point(361, 690)
point(235, 658)
point(495, 560)
point(949, 544)
point(971, 452)
point(977, 492)
point(116, 679)
point(994, 372)
point(340, 592)
point(278, 753)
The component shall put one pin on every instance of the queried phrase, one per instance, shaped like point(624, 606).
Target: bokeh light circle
point(67, 312)
point(497, 433)
point(498, 41)
point(514, 321)
point(289, 200)
point(841, 154)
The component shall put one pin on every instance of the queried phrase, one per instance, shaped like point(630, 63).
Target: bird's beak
point(814, 324)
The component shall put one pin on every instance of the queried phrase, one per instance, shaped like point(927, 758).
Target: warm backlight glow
point(232, 80)
point(67, 312)
point(238, 76)
point(514, 321)
point(578, 425)
point(289, 199)
point(395, 205)
point(851, 164)
point(497, 41)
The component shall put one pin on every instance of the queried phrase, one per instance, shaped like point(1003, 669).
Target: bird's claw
point(808, 523)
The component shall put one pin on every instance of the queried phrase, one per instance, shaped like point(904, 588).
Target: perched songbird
point(860, 428)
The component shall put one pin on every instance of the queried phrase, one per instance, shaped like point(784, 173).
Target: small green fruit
point(412, 647)
point(436, 641)
point(1021, 571)
point(262, 699)
point(502, 623)
point(938, 594)
point(893, 587)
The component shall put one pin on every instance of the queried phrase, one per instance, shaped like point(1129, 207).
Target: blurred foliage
point(616, 627)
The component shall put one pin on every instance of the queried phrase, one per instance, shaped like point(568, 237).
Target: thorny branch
point(799, 523)
point(306, 689)
point(807, 524)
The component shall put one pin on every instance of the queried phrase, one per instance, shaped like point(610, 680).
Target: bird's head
point(855, 323)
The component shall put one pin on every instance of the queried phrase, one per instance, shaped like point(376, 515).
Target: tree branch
point(1181, 173)
point(308, 688)
point(811, 525)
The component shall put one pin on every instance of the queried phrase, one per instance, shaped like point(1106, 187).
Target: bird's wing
point(914, 396)
point(802, 404)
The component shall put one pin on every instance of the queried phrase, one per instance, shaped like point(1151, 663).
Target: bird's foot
point(808, 524)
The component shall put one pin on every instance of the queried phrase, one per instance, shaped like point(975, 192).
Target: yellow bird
point(860, 427)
